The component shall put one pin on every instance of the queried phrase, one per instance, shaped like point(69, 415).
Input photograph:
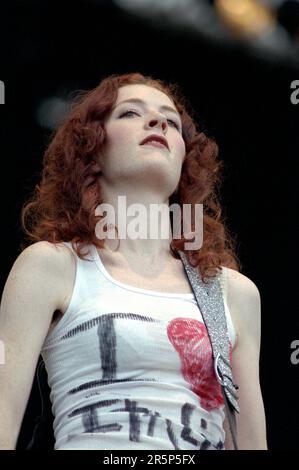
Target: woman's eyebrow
point(139, 101)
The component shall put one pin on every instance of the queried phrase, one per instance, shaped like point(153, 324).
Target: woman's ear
point(97, 169)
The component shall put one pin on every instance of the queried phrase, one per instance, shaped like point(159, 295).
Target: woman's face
point(141, 111)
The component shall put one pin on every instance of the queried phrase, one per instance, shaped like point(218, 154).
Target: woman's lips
point(157, 144)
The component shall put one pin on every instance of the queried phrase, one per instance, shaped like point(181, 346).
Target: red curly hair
point(63, 204)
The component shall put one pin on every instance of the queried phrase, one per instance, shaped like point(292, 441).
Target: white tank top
point(131, 368)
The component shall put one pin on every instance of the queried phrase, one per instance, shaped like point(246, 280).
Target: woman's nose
point(159, 122)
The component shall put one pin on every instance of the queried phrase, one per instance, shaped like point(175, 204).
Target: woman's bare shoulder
point(239, 285)
point(56, 254)
point(54, 262)
point(243, 299)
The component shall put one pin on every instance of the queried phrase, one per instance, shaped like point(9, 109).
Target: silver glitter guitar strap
point(210, 302)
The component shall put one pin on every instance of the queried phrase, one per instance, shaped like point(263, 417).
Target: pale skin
point(40, 284)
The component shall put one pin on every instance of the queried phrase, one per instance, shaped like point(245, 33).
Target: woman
point(127, 354)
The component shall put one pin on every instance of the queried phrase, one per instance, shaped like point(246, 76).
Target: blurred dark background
point(235, 62)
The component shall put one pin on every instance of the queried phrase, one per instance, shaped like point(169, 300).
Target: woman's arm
point(243, 300)
point(33, 291)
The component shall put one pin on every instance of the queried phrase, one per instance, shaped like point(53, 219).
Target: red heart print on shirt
point(190, 339)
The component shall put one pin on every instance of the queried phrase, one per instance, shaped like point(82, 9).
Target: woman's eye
point(173, 123)
point(128, 113)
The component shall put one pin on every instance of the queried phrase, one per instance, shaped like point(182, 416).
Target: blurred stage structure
point(265, 30)
point(268, 28)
